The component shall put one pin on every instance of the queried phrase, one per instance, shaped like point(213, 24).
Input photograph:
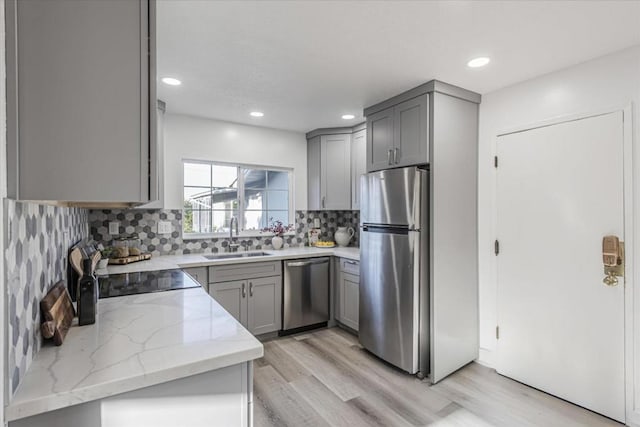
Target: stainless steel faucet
point(233, 247)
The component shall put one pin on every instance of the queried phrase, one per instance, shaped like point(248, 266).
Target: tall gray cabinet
point(436, 125)
point(336, 158)
point(81, 101)
point(358, 162)
point(329, 171)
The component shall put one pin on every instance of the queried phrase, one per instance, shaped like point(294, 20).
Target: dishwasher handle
point(306, 263)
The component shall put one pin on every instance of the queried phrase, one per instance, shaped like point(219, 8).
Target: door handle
point(305, 263)
point(395, 155)
point(613, 259)
point(244, 290)
point(250, 289)
point(389, 156)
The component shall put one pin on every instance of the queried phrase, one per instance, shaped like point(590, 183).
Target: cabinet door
point(232, 296)
point(313, 174)
point(199, 274)
point(358, 165)
point(265, 305)
point(379, 140)
point(79, 99)
point(411, 132)
point(349, 299)
point(335, 154)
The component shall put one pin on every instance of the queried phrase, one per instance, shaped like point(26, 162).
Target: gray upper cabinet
point(380, 140)
point(313, 174)
point(329, 172)
point(80, 89)
point(335, 175)
point(358, 165)
point(410, 132)
point(398, 136)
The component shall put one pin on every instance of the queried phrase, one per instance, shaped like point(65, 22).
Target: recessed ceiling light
point(256, 113)
point(171, 81)
point(348, 116)
point(478, 62)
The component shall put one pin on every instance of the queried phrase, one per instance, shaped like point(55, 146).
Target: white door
point(561, 330)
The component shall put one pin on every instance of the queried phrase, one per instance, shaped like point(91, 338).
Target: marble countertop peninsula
point(137, 341)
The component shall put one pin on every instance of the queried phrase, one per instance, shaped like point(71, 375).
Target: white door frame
point(631, 322)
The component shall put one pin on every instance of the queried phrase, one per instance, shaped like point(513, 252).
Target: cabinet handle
point(389, 156)
point(244, 290)
point(395, 155)
point(250, 289)
point(323, 198)
point(351, 262)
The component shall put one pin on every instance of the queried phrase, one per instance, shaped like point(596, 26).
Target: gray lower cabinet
point(80, 90)
point(233, 297)
point(348, 293)
point(329, 172)
point(255, 301)
point(358, 165)
point(399, 136)
point(264, 305)
point(199, 274)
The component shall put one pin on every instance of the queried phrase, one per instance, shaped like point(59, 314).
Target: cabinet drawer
point(350, 266)
point(224, 273)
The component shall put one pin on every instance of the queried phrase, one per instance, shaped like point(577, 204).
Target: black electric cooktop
point(115, 285)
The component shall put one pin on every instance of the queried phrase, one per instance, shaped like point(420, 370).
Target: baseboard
point(486, 358)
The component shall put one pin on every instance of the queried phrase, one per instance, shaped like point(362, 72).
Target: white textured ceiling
point(305, 63)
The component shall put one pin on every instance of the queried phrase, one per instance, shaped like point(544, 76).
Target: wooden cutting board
point(58, 313)
point(129, 259)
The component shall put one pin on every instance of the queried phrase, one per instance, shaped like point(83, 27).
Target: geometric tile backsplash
point(38, 238)
point(144, 222)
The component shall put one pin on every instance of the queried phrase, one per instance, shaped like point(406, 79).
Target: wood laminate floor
point(325, 378)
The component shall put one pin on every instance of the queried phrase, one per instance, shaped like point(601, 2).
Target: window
point(214, 193)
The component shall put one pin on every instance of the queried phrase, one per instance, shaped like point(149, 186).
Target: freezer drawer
point(306, 292)
point(389, 295)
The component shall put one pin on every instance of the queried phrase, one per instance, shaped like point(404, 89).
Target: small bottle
point(87, 294)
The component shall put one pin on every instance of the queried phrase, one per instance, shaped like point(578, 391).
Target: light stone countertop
point(137, 341)
point(168, 262)
point(146, 339)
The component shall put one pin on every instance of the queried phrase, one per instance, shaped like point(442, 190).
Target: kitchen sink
point(236, 255)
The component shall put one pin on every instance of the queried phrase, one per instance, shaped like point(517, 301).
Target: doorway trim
point(631, 300)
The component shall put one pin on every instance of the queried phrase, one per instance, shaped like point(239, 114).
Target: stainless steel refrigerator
point(394, 284)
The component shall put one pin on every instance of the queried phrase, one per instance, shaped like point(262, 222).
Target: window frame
point(241, 195)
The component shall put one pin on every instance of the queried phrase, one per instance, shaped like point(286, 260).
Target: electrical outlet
point(316, 222)
point(114, 228)
point(164, 227)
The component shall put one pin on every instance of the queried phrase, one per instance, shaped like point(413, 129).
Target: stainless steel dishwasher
point(305, 294)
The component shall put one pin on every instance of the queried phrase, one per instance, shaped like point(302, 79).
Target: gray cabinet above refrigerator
point(400, 129)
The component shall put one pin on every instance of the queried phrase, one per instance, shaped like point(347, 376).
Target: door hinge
point(496, 247)
point(497, 332)
point(495, 161)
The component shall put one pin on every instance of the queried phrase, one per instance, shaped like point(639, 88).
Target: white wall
point(610, 81)
point(189, 137)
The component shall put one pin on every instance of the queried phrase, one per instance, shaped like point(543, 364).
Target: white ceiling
point(305, 63)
